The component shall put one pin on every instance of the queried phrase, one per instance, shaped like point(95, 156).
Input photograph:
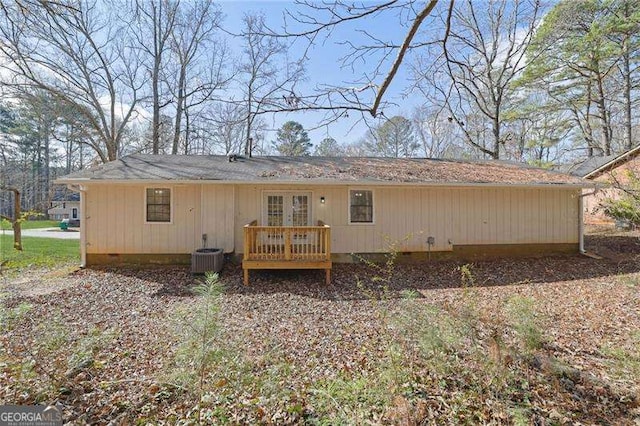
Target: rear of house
point(162, 208)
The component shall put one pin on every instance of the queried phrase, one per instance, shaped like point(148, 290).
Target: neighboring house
point(65, 204)
point(610, 174)
point(156, 208)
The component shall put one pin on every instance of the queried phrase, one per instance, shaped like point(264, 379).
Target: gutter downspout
point(581, 220)
point(83, 222)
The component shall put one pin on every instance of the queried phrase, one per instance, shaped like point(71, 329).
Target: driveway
point(71, 234)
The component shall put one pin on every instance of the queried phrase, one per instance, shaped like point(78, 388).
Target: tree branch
point(403, 49)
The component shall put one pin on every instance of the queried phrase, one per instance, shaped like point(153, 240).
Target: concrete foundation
point(462, 252)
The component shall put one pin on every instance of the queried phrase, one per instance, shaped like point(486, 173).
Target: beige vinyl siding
point(407, 216)
point(515, 216)
point(116, 219)
point(218, 216)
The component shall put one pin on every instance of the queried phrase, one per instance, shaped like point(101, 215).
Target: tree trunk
point(187, 141)
point(247, 147)
point(37, 183)
point(627, 94)
point(602, 111)
point(587, 131)
point(187, 129)
point(179, 109)
point(69, 148)
point(496, 135)
point(156, 107)
point(47, 170)
point(15, 221)
point(112, 150)
point(17, 226)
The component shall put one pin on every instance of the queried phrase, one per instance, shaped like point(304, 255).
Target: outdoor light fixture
point(322, 200)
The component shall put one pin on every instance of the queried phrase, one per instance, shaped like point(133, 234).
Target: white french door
point(287, 209)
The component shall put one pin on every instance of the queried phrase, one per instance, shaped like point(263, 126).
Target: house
point(64, 204)
point(313, 210)
point(610, 174)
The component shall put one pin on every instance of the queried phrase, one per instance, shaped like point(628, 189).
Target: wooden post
point(248, 236)
point(287, 244)
point(328, 243)
point(246, 242)
point(327, 278)
point(15, 221)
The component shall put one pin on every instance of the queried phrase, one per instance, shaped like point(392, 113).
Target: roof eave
point(324, 182)
point(603, 169)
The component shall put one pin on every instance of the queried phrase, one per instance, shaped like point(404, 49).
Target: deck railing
point(287, 243)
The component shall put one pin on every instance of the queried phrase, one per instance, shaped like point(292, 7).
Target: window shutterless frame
point(366, 207)
point(158, 200)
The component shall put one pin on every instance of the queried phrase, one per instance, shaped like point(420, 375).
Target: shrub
point(522, 314)
point(198, 353)
point(626, 208)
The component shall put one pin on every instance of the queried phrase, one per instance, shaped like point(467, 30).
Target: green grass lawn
point(38, 252)
point(32, 224)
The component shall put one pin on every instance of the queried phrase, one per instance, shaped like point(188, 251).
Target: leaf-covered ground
point(531, 341)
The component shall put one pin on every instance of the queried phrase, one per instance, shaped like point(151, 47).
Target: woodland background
point(87, 82)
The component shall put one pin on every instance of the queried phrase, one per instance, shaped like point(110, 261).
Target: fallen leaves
point(104, 343)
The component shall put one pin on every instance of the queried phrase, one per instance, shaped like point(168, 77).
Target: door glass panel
point(275, 210)
point(287, 209)
point(300, 210)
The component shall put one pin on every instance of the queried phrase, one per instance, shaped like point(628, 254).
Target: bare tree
point(77, 56)
point(153, 24)
point(267, 76)
point(435, 132)
point(483, 52)
point(191, 42)
point(366, 94)
point(226, 127)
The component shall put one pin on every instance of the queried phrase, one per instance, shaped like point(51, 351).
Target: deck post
point(248, 237)
point(327, 277)
point(246, 242)
point(327, 244)
point(287, 244)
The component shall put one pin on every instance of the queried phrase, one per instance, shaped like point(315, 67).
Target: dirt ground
point(122, 318)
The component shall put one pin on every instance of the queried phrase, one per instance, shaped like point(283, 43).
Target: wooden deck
point(287, 247)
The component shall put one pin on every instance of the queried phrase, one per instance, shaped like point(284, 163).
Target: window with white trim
point(158, 205)
point(360, 206)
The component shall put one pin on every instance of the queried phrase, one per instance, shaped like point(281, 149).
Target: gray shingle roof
point(587, 165)
point(318, 169)
point(599, 165)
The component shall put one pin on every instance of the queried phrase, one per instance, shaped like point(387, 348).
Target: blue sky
point(324, 66)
